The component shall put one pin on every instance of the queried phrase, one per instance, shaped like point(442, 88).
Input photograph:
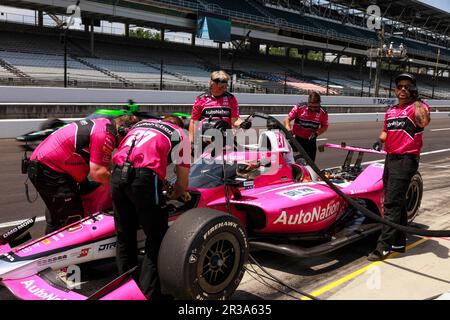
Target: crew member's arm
point(102, 146)
point(287, 123)
point(192, 130)
point(100, 174)
point(323, 123)
point(195, 118)
point(321, 130)
point(235, 119)
point(378, 145)
point(182, 182)
point(422, 114)
point(291, 116)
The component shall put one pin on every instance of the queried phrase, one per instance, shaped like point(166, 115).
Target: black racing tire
point(414, 197)
point(52, 123)
point(202, 256)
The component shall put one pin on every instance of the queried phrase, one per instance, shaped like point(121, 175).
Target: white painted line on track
point(442, 129)
point(17, 222)
point(42, 218)
point(323, 139)
point(382, 160)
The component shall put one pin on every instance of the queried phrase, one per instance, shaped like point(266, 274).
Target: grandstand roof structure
point(284, 22)
point(410, 12)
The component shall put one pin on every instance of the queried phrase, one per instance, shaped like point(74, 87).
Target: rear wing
point(343, 146)
point(351, 151)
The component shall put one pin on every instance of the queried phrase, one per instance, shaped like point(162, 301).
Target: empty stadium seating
point(121, 62)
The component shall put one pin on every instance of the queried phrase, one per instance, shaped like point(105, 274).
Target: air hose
point(366, 212)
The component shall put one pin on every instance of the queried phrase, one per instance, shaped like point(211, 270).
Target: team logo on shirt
point(217, 112)
point(404, 124)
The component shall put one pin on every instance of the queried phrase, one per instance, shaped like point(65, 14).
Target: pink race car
point(263, 197)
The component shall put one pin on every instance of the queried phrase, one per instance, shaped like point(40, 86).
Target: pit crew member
point(140, 165)
point(65, 158)
point(217, 103)
point(402, 134)
point(310, 121)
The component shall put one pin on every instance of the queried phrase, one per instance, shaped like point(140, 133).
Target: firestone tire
point(414, 197)
point(202, 256)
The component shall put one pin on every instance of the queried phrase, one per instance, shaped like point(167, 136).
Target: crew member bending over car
point(310, 121)
point(215, 104)
point(64, 160)
point(402, 133)
point(139, 171)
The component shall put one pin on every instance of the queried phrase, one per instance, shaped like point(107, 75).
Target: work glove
point(313, 136)
point(245, 125)
point(377, 145)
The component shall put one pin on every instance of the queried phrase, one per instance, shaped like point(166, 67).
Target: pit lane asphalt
point(307, 274)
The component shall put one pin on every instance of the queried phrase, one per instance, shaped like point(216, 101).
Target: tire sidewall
point(196, 250)
point(416, 179)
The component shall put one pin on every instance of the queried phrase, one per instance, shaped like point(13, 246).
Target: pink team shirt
point(206, 105)
point(403, 134)
point(58, 151)
point(154, 142)
point(306, 121)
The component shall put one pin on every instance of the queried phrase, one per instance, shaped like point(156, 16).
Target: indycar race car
point(262, 197)
point(33, 138)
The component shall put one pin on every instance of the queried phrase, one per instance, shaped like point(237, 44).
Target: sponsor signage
point(314, 215)
point(107, 246)
point(297, 193)
point(39, 292)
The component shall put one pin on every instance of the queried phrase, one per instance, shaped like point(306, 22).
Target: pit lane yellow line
point(360, 271)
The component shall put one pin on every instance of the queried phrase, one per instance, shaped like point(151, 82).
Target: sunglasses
point(219, 81)
point(401, 87)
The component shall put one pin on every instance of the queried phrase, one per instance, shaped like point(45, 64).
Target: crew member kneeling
point(139, 171)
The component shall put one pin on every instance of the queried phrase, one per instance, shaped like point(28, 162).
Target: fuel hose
point(366, 212)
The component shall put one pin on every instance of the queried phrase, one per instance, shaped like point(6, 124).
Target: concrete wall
point(16, 127)
point(36, 95)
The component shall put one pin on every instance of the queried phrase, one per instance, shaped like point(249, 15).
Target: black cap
point(405, 76)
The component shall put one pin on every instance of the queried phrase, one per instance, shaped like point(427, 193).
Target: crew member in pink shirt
point(140, 165)
point(402, 134)
point(65, 158)
point(310, 121)
point(216, 104)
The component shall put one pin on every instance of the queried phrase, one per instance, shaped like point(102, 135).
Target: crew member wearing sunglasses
point(402, 133)
point(216, 103)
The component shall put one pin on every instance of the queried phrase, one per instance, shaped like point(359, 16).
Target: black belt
point(136, 171)
point(402, 156)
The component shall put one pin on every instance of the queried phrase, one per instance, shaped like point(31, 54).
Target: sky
point(441, 4)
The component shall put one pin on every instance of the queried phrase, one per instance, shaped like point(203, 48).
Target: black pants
point(60, 193)
point(137, 203)
point(398, 172)
point(310, 146)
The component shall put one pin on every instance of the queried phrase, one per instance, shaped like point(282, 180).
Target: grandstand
point(293, 46)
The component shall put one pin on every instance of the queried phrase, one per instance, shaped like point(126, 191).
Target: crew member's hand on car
point(377, 145)
point(245, 125)
point(313, 136)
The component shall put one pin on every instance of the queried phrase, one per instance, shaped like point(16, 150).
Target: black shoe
point(378, 255)
point(400, 249)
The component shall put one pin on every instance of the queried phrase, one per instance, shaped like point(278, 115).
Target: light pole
point(233, 57)
point(384, 52)
point(66, 25)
